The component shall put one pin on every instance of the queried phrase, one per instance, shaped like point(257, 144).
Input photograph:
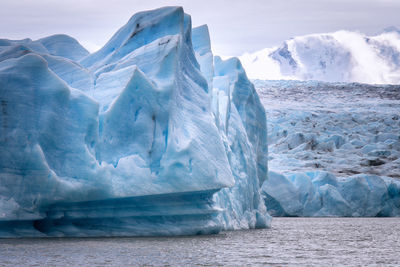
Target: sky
point(235, 26)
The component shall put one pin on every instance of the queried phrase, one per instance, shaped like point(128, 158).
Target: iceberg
point(150, 135)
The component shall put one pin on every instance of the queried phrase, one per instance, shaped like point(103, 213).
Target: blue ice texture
point(150, 135)
point(322, 194)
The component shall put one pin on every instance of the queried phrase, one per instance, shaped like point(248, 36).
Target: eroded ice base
point(187, 213)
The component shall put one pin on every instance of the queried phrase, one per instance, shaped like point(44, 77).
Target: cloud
point(235, 26)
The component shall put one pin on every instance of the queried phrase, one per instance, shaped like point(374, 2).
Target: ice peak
point(141, 29)
point(201, 39)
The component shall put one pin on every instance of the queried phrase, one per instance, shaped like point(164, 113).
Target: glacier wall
point(150, 135)
point(322, 194)
point(334, 148)
point(341, 56)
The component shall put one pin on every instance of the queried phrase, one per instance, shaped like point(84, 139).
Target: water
point(290, 241)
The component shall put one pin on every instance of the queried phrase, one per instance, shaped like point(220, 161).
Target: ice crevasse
point(150, 135)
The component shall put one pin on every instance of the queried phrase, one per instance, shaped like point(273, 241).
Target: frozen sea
point(290, 242)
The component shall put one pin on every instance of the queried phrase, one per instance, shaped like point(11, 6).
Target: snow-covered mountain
point(342, 56)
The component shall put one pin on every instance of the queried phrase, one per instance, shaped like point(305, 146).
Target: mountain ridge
point(341, 56)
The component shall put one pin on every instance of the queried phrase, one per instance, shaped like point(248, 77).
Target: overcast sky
point(235, 26)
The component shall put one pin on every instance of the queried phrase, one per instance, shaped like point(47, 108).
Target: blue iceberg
point(322, 194)
point(150, 135)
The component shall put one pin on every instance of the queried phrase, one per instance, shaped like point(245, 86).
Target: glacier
point(150, 135)
point(341, 56)
point(322, 194)
point(334, 148)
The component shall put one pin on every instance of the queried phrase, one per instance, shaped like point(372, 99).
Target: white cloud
point(235, 26)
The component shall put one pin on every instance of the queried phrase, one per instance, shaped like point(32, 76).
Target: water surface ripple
point(290, 242)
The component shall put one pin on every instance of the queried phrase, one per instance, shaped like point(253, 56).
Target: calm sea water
point(290, 241)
